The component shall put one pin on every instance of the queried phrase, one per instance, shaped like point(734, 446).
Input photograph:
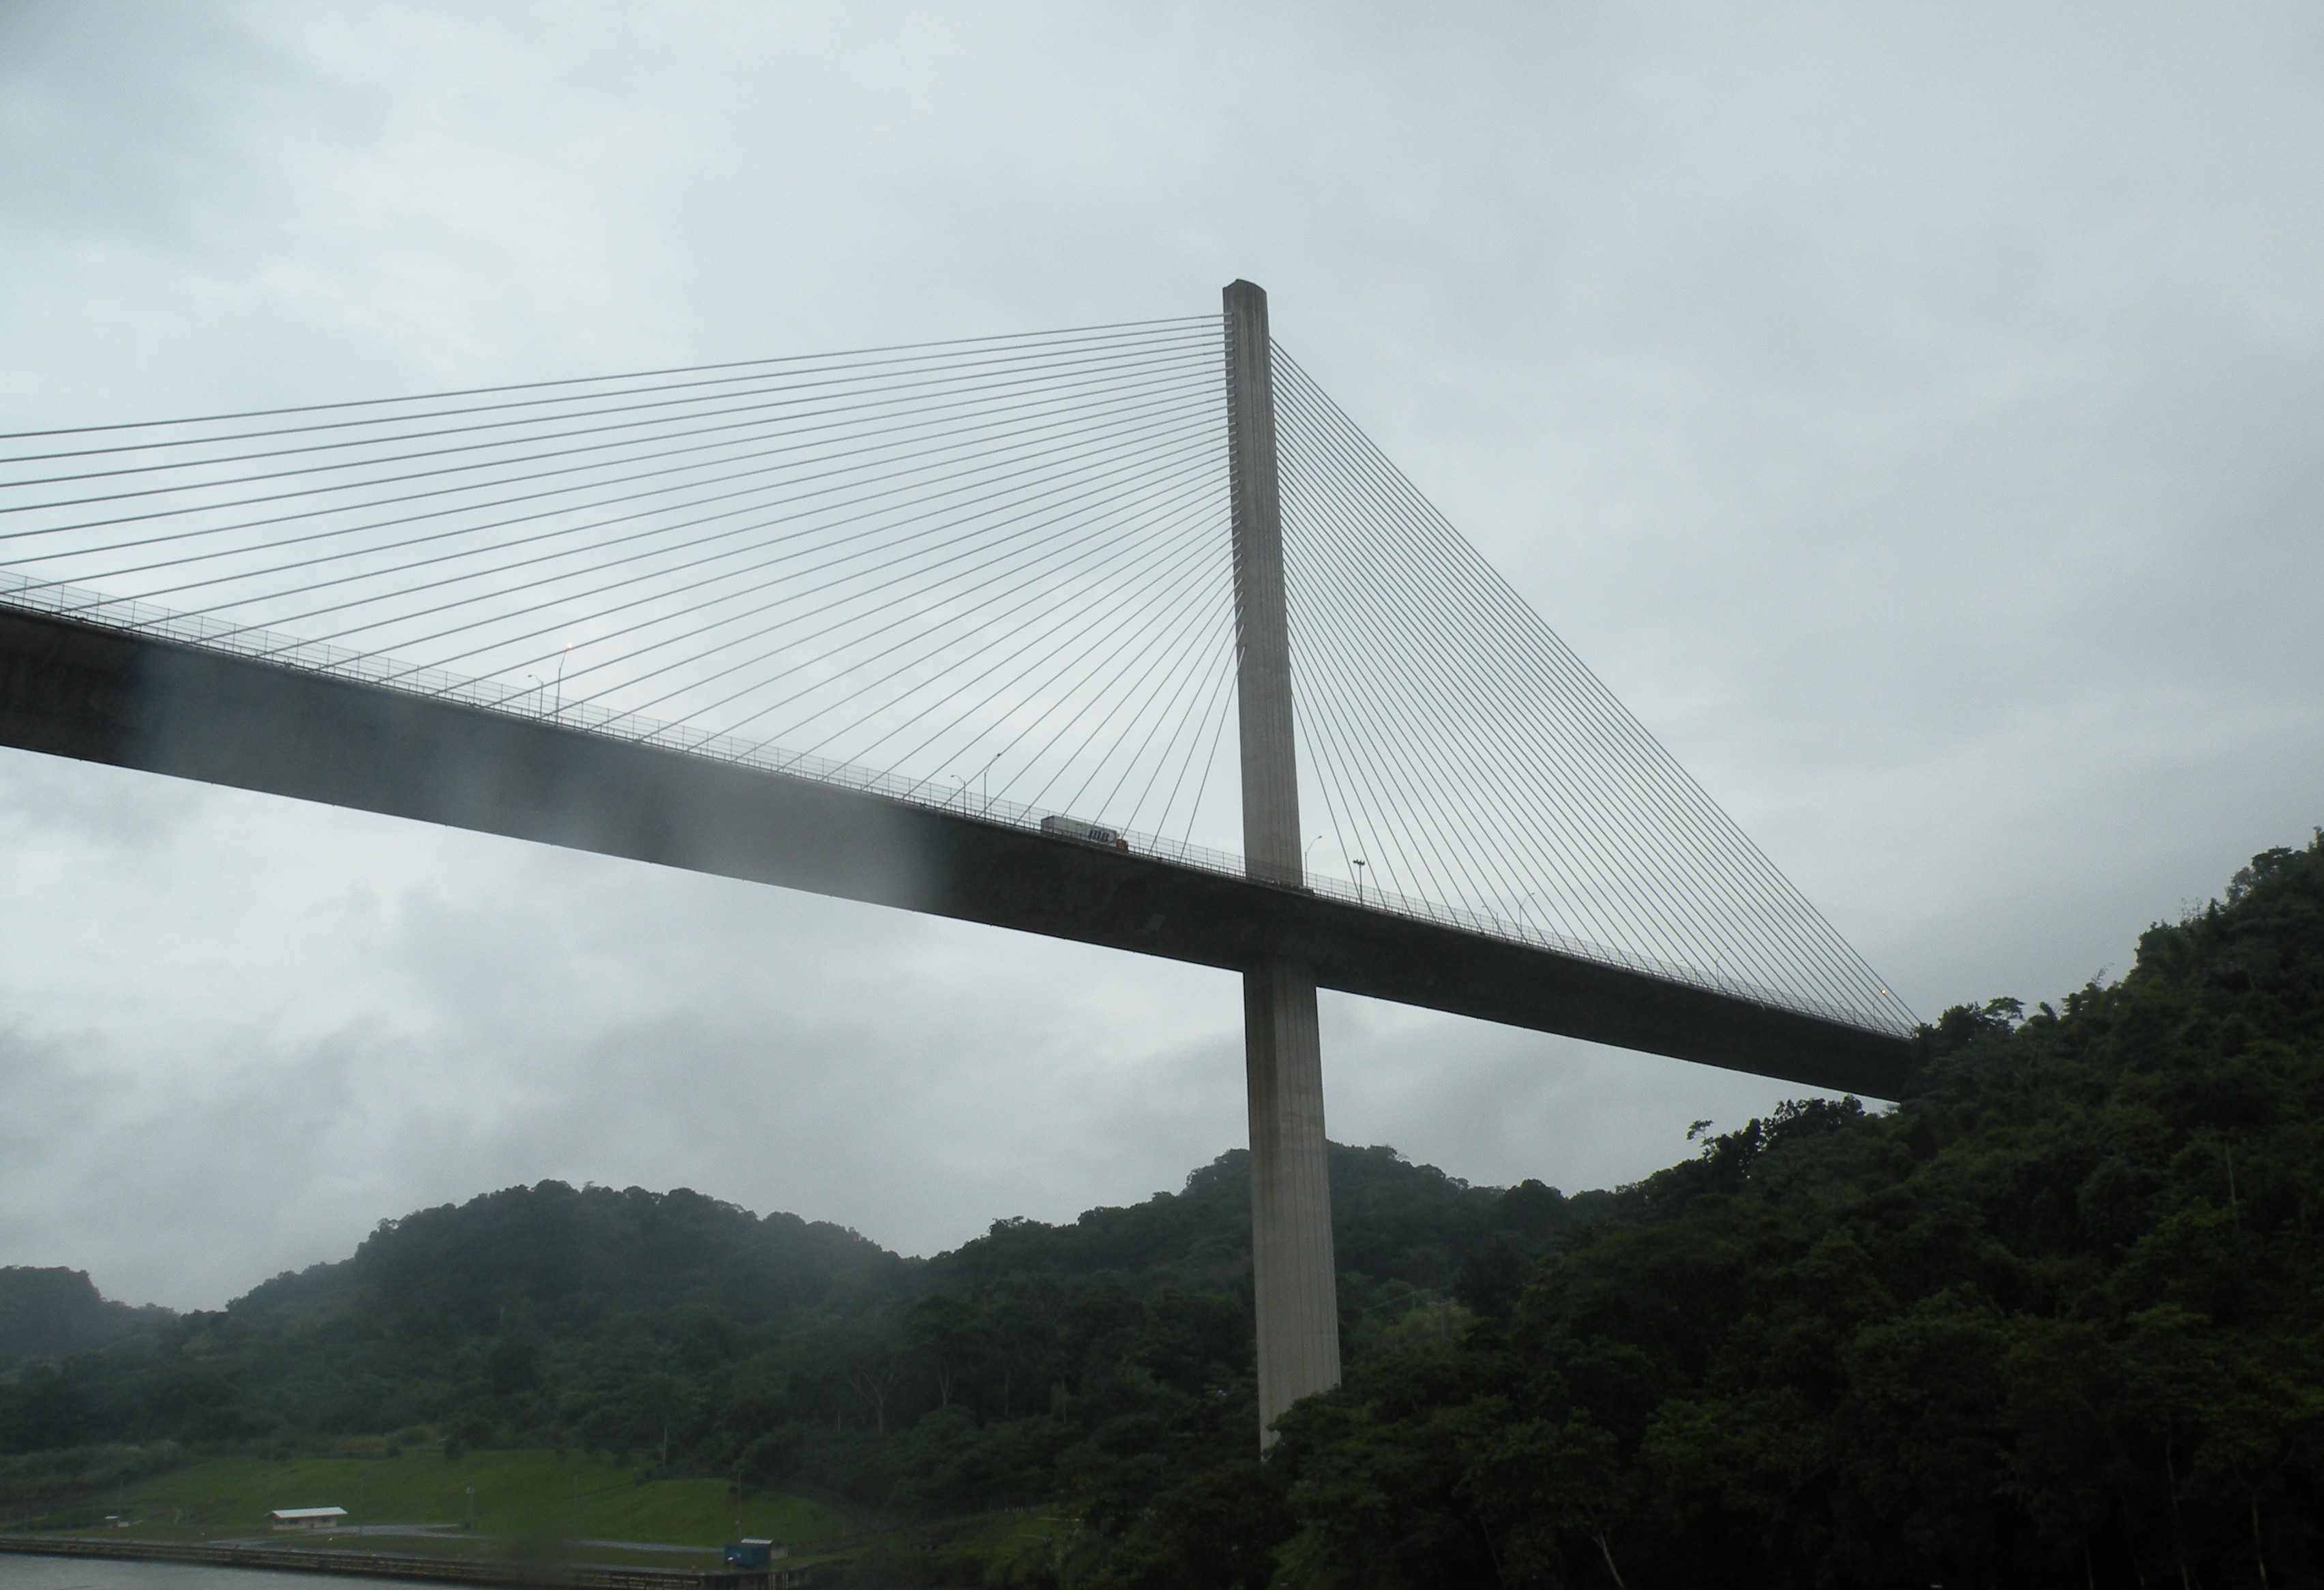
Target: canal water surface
point(91, 1573)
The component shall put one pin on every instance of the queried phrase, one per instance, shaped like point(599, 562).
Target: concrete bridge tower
point(1293, 1273)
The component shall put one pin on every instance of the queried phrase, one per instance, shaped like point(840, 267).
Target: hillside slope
point(48, 1313)
point(2058, 1318)
point(630, 1321)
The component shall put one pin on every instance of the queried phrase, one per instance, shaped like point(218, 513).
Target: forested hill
point(2057, 1319)
point(1396, 1227)
point(624, 1319)
point(551, 1262)
point(48, 1313)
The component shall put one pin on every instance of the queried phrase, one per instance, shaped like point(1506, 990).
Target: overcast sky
point(1913, 414)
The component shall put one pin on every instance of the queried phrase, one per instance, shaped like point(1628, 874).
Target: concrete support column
point(1296, 1287)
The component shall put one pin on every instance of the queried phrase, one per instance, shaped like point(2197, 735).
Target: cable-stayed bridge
point(1123, 634)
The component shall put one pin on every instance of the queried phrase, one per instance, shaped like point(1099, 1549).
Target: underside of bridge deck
point(131, 700)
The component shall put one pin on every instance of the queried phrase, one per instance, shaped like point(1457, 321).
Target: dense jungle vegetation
point(51, 1313)
point(2056, 1318)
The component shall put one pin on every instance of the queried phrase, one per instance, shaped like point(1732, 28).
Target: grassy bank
point(540, 1494)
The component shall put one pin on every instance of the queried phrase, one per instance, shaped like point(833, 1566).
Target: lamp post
point(1357, 861)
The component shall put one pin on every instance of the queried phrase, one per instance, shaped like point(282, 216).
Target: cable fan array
point(987, 569)
point(992, 574)
point(1451, 742)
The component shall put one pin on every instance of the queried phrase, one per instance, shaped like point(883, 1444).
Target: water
point(89, 1572)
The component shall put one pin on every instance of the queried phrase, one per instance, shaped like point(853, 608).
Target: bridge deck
point(131, 700)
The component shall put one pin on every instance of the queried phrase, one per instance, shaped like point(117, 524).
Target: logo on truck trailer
point(1082, 833)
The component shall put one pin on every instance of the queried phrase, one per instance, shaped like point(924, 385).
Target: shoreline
point(388, 1565)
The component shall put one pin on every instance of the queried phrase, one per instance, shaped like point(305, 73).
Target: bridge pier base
point(1294, 1280)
